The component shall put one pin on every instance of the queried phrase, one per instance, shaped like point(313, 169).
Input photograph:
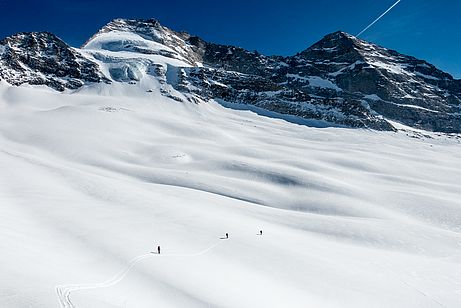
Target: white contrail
point(381, 16)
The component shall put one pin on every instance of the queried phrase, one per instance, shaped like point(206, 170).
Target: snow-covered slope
point(92, 182)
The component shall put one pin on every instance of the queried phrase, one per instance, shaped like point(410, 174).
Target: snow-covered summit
point(144, 36)
point(342, 48)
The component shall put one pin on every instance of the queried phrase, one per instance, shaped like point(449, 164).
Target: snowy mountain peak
point(144, 36)
point(43, 58)
point(33, 40)
point(149, 29)
point(340, 39)
point(339, 46)
point(339, 36)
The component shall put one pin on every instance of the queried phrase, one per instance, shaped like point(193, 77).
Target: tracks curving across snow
point(63, 291)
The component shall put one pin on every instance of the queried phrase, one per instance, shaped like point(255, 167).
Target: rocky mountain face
point(340, 79)
point(396, 86)
point(41, 58)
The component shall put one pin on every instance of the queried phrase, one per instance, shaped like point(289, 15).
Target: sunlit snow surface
point(91, 180)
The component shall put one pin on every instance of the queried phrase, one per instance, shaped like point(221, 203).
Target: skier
point(158, 249)
point(227, 235)
point(260, 232)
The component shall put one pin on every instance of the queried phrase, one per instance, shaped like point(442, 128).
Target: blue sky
point(426, 29)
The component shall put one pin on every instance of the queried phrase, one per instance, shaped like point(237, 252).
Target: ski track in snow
point(354, 218)
point(63, 291)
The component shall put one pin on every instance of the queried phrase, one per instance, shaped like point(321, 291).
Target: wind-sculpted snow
point(89, 181)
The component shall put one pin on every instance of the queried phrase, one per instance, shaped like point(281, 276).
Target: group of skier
point(227, 236)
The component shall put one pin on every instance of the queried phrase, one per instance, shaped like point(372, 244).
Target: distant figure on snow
point(227, 235)
point(158, 249)
point(260, 232)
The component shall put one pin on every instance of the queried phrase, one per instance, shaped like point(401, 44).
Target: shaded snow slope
point(89, 181)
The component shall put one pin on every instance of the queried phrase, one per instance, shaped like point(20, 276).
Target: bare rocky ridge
point(340, 79)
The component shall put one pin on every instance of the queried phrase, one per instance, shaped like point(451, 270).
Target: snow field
point(90, 181)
